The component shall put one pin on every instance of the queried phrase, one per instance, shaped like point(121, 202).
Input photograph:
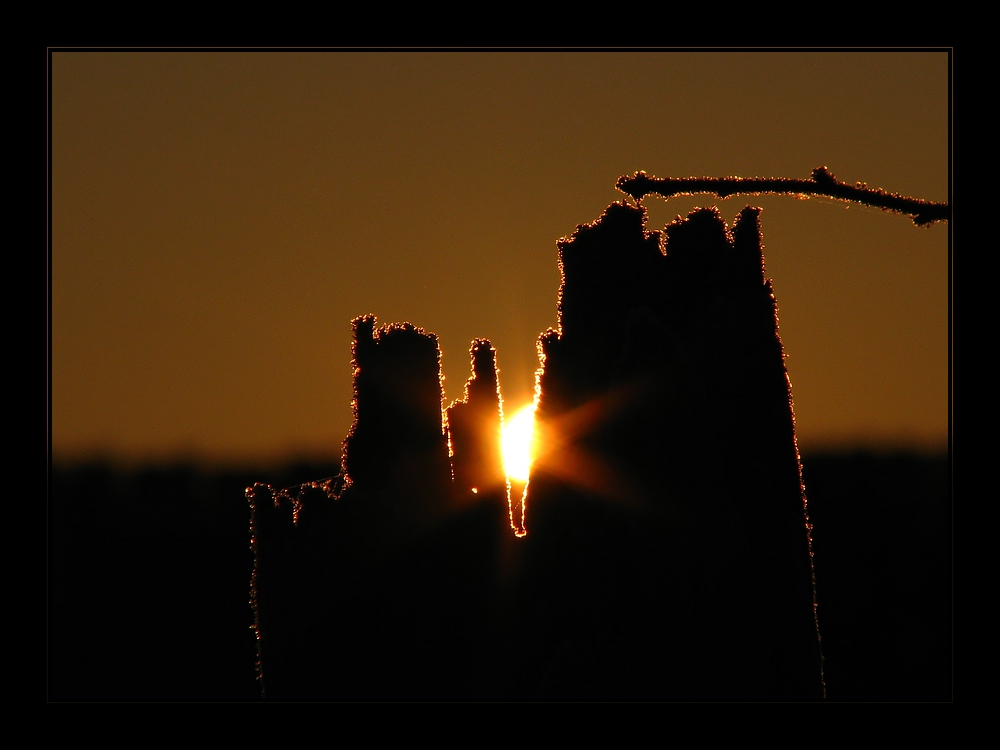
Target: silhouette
point(474, 427)
point(672, 472)
point(667, 554)
point(822, 183)
point(398, 441)
point(376, 586)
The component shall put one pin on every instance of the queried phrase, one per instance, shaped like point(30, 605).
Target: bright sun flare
point(519, 443)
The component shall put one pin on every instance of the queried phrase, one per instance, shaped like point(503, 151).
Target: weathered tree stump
point(667, 554)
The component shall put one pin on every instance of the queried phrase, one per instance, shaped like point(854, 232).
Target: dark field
point(149, 574)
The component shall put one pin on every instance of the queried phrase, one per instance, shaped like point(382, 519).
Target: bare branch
point(822, 183)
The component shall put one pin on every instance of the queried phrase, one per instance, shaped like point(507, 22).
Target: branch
point(822, 183)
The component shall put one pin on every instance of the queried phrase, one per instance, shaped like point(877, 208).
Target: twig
point(822, 183)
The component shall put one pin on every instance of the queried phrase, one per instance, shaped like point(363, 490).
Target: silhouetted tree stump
point(474, 428)
point(383, 592)
point(667, 538)
point(667, 556)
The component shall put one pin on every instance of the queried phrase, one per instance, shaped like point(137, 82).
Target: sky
point(219, 218)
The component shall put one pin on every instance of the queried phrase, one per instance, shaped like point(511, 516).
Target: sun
point(518, 443)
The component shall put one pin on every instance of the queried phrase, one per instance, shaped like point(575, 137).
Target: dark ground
point(149, 572)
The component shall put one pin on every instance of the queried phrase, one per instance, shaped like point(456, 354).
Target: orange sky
point(219, 218)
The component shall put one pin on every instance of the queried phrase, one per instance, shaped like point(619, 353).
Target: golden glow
point(519, 443)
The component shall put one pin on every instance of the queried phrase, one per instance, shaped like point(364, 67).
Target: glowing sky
point(219, 218)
